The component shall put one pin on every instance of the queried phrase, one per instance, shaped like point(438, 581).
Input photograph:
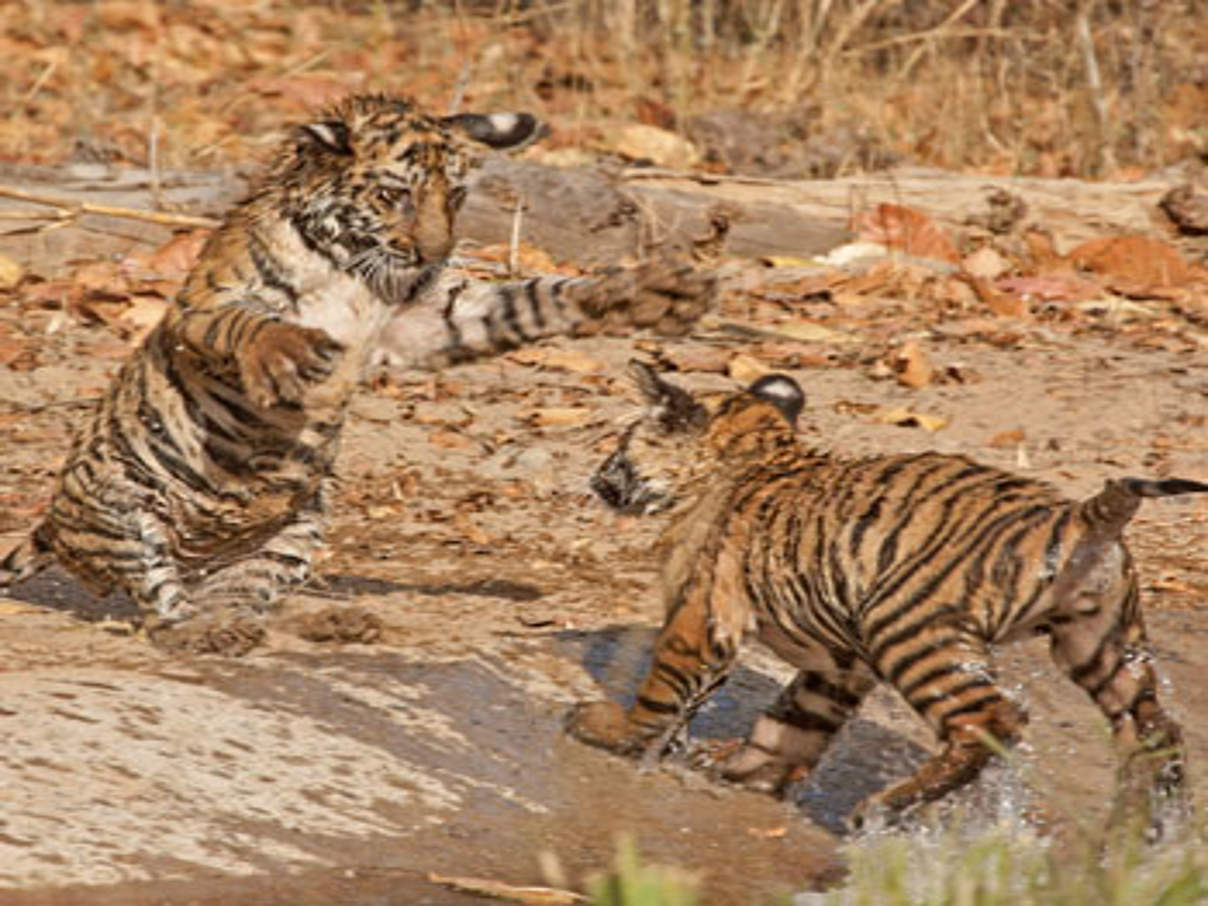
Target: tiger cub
point(898, 568)
point(198, 483)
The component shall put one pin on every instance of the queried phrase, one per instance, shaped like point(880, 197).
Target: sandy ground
point(317, 772)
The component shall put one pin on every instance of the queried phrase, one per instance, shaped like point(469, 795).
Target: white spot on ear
point(503, 122)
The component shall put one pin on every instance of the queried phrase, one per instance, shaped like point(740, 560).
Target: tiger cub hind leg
point(236, 597)
point(789, 738)
point(1105, 651)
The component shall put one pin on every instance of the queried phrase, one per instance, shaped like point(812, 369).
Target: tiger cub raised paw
point(283, 359)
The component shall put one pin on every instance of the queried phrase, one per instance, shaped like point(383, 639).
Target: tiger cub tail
point(1110, 510)
point(461, 319)
point(24, 561)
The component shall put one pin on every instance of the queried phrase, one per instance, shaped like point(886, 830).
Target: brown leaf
point(12, 348)
point(10, 272)
point(1008, 305)
point(911, 366)
point(1134, 265)
point(899, 227)
point(746, 368)
point(173, 260)
point(449, 440)
point(1005, 439)
point(1052, 287)
point(102, 278)
point(558, 359)
point(557, 416)
point(709, 359)
point(905, 418)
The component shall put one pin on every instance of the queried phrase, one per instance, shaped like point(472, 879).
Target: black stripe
point(536, 311)
point(658, 707)
point(270, 274)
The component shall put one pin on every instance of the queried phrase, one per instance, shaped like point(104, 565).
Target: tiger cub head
point(681, 440)
point(374, 185)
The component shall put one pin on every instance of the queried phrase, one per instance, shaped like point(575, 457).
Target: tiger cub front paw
point(282, 359)
point(605, 725)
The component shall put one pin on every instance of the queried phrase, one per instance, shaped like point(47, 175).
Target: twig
point(76, 208)
point(706, 179)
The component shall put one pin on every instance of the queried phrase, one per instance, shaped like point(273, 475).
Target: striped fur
point(903, 569)
point(197, 485)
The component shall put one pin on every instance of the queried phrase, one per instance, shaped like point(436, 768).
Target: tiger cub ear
point(497, 130)
point(782, 392)
point(672, 407)
point(329, 135)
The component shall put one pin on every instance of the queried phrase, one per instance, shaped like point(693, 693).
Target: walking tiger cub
point(898, 568)
point(197, 484)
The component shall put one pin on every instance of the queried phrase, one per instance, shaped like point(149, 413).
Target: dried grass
point(1045, 87)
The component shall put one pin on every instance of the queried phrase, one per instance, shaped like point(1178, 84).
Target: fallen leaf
point(985, 263)
point(449, 440)
point(810, 332)
point(746, 368)
point(1133, 265)
point(143, 313)
point(1053, 287)
point(709, 359)
point(173, 259)
point(768, 833)
point(10, 272)
point(1005, 439)
point(557, 416)
point(911, 366)
point(899, 227)
point(1005, 304)
point(12, 348)
point(638, 141)
point(905, 418)
point(788, 261)
point(558, 359)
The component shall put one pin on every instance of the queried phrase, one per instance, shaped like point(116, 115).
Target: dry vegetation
point(1043, 87)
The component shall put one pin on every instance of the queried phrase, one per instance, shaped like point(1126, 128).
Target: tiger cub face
point(681, 440)
point(374, 185)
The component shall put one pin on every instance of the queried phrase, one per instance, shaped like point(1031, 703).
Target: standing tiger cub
point(197, 484)
point(899, 568)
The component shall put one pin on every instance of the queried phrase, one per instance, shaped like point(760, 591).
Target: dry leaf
point(1004, 439)
point(142, 314)
point(558, 359)
point(666, 149)
point(710, 359)
point(557, 416)
point(449, 440)
point(788, 261)
point(905, 418)
point(910, 231)
point(911, 366)
point(1005, 304)
point(1134, 265)
point(1053, 287)
point(10, 272)
point(746, 368)
point(810, 332)
point(985, 264)
point(174, 259)
point(768, 833)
